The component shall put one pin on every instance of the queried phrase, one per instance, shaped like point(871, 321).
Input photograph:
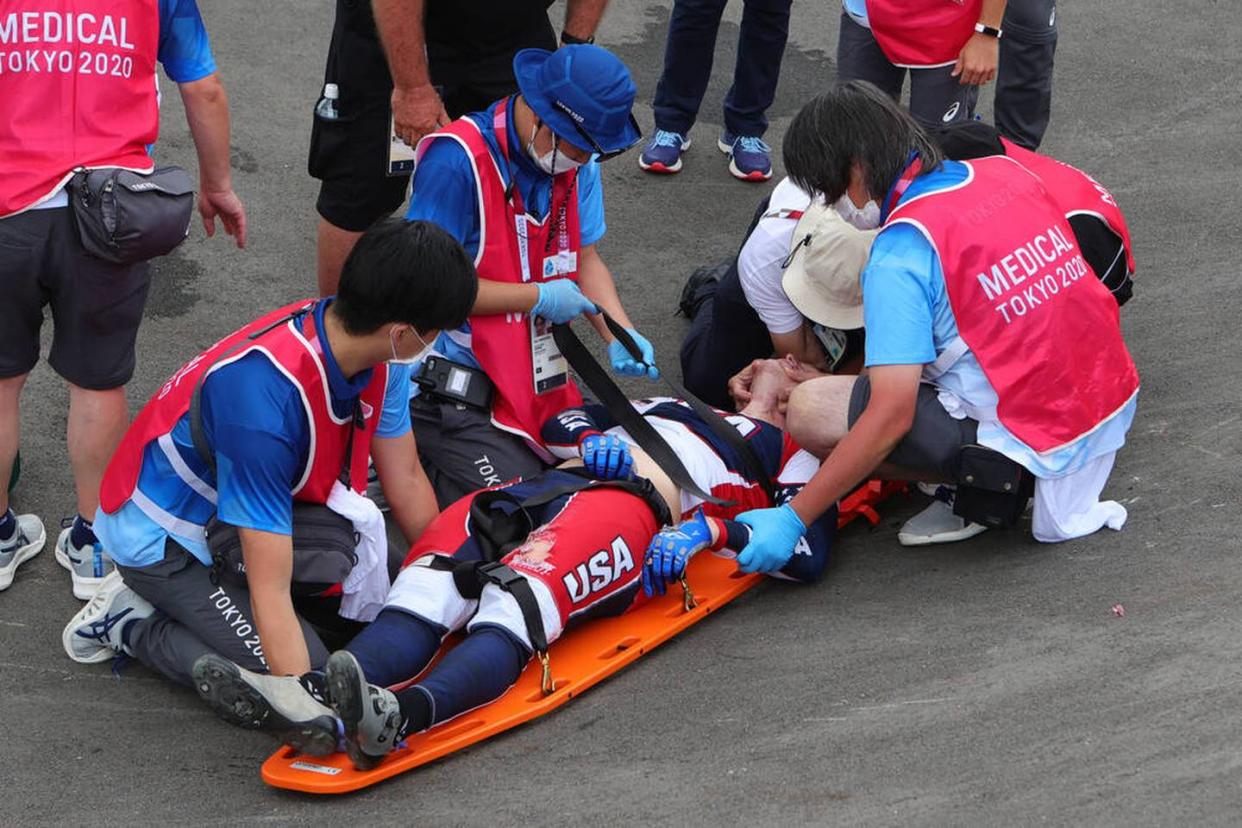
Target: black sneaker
point(278, 705)
point(700, 287)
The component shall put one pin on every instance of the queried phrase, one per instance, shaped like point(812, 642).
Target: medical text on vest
point(32, 32)
point(1033, 274)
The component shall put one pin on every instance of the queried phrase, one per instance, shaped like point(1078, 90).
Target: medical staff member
point(985, 325)
point(291, 405)
point(409, 67)
point(86, 96)
point(519, 186)
point(949, 47)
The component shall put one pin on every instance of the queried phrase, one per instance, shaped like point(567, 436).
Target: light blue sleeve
point(590, 204)
point(900, 286)
point(445, 192)
point(395, 418)
point(184, 48)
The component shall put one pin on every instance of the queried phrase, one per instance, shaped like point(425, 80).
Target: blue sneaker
point(663, 152)
point(750, 159)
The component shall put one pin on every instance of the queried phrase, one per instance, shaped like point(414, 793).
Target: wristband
point(990, 31)
point(573, 40)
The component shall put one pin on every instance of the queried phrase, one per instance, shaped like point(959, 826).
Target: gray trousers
point(196, 616)
point(463, 452)
point(935, 97)
point(1024, 78)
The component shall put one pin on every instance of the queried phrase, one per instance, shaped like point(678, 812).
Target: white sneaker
point(26, 542)
point(87, 565)
point(938, 524)
point(94, 634)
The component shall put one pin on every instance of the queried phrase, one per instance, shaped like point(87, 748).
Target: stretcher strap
point(637, 426)
point(471, 576)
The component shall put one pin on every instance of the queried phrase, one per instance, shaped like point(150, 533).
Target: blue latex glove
point(606, 456)
point(671, 549)
point(774, 534)
point(624, 364)
point(560, 301)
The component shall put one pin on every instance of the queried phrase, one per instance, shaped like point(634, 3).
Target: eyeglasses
point(599, 151)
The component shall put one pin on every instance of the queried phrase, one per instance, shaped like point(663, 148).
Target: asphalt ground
point(989, 682)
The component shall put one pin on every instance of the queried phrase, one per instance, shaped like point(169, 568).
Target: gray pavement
point(984, 683)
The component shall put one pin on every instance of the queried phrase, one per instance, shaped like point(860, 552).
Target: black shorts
point(96, 305)
point(935, 440)
point(350, 154)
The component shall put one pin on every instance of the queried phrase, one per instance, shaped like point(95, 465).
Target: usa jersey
point(715, 467)
point(712, 463)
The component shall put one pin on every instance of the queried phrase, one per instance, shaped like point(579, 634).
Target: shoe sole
point(84, 588)
point(754, 175)
point(968, 531)
point(219, 682)
point(347, 689)
point(24, 554)
point(660, 169)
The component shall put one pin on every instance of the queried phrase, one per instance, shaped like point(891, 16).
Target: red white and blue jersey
point(715, 467)
point(712, 463)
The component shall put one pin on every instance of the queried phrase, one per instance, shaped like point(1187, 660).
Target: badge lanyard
point(522, 219)
point(549, 370)
point(903, 183)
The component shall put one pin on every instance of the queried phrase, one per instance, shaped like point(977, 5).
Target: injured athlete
point(514, 565)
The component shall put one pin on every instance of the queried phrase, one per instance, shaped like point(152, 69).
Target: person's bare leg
point(97, 422)
point(10, 432)
point(334, 246)
point(818, 413)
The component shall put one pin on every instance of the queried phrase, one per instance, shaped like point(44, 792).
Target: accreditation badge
point(549, 368)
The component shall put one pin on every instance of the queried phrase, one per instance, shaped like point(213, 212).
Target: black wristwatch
point(573, 40)
point(990, 31)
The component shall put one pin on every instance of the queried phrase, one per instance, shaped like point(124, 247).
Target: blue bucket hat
point(583, 93)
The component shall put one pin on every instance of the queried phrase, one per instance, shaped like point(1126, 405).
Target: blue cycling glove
point(774, 534)
point(624, 364)
point(606, 456)
point(671, 549)
point(560, 301)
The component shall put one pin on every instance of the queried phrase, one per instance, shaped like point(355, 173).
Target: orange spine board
point(581, 658)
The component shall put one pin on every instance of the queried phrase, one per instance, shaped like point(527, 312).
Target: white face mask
point(866, 217)
point(552, 161)
point(423, 353)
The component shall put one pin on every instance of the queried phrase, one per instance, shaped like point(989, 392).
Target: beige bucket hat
point(824, 269)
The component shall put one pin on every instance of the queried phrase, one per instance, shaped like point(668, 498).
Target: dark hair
point(403, 271)
point(854, 122)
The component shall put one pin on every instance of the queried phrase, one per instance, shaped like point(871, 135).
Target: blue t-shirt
point(909, 321)
point(255, 421)
point(445, 191)
point(184, 48)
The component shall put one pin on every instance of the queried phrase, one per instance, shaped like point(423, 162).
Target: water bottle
point(327, 106)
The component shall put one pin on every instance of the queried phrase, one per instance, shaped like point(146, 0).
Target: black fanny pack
point(127, 217)
point(324, 546)
point(991, 488)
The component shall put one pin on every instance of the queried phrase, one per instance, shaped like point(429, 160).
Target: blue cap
point(584, 84)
